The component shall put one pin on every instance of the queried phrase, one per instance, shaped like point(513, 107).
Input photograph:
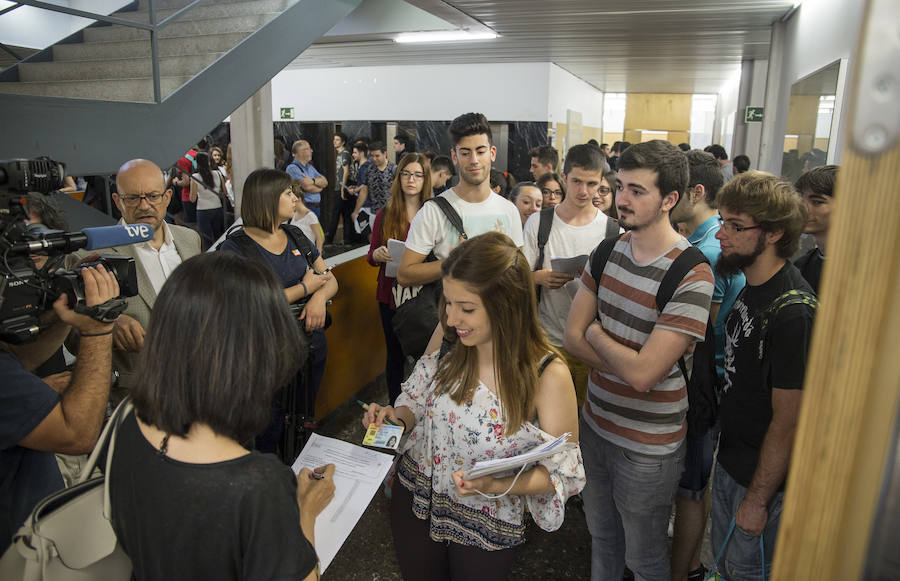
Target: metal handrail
point(9, 9)
point(153, 27)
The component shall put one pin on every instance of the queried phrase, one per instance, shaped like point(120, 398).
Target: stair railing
point(153, 27)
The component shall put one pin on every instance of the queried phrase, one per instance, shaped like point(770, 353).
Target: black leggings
point(421, 558)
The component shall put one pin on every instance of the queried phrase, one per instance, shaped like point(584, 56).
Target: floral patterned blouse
point(448, 437)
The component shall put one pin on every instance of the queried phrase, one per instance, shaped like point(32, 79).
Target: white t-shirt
point(564, 241)
point(431, 231)
point(208, 199)
point(307, 224)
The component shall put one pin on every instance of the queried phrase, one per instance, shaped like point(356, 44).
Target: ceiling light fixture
point(444, 36)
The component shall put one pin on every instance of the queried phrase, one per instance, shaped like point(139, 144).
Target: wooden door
point(847, 426)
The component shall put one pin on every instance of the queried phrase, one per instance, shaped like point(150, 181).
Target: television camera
point(26, 291)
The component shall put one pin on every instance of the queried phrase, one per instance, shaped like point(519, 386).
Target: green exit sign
point(287, 112)
point(753, 114)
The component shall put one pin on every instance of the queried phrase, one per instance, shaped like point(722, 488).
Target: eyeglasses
point(549, 192)
point(134, 201)
point(733, 228)
point(408, 175)
point(604, 191)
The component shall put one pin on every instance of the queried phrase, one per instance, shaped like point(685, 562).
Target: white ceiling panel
point(666, 46)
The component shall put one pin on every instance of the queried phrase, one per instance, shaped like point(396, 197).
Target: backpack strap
point(544, 227)
point(791, 297)
point(451, 215)
point(600, 257)
point(612, 228)
point(683, 263)
point(244, 243)
point(304, 244)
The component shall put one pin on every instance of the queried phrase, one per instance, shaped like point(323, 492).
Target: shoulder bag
point(69, 534)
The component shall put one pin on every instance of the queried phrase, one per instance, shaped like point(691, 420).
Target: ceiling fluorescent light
point(444, 36)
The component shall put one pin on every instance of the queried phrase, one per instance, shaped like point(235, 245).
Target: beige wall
point(657, 112)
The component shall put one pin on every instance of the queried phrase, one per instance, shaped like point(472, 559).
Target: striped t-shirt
point(652, 422)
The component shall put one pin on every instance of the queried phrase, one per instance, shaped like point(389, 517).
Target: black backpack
point(703, 383)
point(416, 318)
point(546, 224)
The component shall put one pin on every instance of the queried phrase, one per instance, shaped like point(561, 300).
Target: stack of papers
point(395, 249)
point(486, 467)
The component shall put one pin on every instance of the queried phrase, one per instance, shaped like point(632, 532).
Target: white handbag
point(69, 535)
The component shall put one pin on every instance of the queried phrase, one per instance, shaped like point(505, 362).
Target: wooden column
point(852, 392)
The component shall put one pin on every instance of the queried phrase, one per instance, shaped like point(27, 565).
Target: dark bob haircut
point(262, 193)
point(221, 341)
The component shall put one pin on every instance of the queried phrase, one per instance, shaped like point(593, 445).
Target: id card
point(386, 436)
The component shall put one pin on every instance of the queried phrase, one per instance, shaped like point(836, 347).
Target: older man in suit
point(142, 198)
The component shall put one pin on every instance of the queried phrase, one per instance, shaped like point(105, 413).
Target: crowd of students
point(524, 350)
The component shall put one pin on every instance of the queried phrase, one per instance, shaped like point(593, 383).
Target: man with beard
point(142, 198)
point(481, 210)
point(768, 332)
point(633, 421)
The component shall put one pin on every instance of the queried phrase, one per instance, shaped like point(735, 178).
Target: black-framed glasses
point(549, 192)
point(408, 175)
point(733, 228)
point(133, 201)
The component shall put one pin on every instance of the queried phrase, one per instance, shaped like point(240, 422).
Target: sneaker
point(698, 574)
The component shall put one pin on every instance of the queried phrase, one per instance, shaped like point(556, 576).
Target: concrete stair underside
point(114, 63)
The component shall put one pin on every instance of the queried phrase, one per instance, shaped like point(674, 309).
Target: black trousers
point(423, 559)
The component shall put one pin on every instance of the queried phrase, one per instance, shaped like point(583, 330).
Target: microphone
point(89, 239)
point(107, 236)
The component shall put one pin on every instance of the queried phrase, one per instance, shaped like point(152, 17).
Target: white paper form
point(395, 248)
point(569, 265)
point(358, 473)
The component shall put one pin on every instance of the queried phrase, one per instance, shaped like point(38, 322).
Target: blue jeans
point(742, 560)
point(627, 501)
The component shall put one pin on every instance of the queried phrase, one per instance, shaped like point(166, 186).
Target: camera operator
point(35, 420)
point(142, 198)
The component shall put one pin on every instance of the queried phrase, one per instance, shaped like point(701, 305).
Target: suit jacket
point(187, 244)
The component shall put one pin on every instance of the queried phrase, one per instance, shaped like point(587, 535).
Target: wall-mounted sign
point(287, 113)
point(753, 115)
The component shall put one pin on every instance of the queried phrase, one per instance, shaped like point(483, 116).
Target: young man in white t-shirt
point(577, 228)
point(481, 210)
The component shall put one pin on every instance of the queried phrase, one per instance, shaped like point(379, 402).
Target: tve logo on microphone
point(139, 231)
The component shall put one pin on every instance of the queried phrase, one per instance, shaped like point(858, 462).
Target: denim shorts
point(700, 452)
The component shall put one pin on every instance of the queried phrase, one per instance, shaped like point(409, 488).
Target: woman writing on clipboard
point(497, 391)
point(189, 501)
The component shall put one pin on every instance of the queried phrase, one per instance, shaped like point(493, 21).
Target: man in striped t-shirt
point(633, 422)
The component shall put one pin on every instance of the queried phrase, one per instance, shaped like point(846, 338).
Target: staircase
point(89, 100)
